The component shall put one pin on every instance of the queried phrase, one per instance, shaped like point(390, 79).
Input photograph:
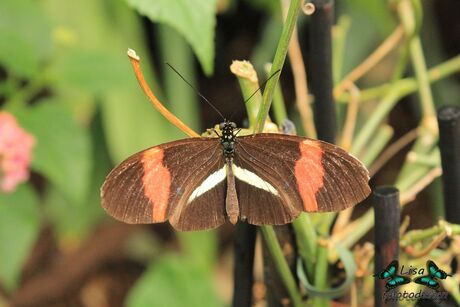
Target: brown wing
point(154, 185)
point(309, 175)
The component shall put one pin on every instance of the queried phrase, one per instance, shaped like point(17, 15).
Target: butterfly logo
point(434, 273)
point(393, 280)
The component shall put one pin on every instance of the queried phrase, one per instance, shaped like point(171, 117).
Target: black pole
point(320, 69)
point(449, 144)
point(386, 237)
point(245, 238)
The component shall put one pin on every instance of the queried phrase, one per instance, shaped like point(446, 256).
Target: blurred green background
point(65, 76)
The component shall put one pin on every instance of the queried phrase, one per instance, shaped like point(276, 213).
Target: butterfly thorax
point(227, 139)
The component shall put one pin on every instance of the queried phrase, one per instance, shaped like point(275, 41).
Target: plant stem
point(281, 264)
point(306, 242)
point(322, 263)
point(414, 236)
point(376, 146)
point(408, 85)
point(278, 62)
point(249, 84)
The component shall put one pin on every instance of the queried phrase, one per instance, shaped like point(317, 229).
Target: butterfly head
point(227, 139)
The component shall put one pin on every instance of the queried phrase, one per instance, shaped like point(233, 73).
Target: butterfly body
point(266, 178)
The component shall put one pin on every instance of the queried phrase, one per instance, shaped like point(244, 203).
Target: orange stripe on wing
point(157, 183)
point(309, 173)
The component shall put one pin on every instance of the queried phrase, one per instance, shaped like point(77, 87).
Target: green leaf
point(195, 20)
point(94, 71)
point(19, 226)
point(24, 36)
point(132, 124)
point(63, 150)
point(199, 247)
point(173, 281)
point(74, 222)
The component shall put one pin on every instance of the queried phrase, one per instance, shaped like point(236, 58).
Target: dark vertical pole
point(386, 236)
point(320, 69)
point(245, 238)
point(449, 144)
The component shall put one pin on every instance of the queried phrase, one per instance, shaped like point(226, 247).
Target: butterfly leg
point(231, 200)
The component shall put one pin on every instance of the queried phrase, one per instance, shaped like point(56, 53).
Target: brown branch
point(67, 272)
point(375, 57)
point(392, 150)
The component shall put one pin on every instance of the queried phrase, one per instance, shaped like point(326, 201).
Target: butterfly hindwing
point(156, 184)
point(428, 281)
point(309, 175)
point(434, 271)
point(397, 281)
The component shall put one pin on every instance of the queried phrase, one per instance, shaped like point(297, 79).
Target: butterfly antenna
point(198, 93)
point(255, 92)
point(262, 85)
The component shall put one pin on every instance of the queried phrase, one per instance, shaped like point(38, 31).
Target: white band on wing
point(213, 180)
point(252, 179)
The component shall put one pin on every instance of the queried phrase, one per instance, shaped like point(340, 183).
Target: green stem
point(381, 139)
point(278, 62)
point(384, 107)
point(339, 35)
point(322, 263)
point(408, 85)
point(281, 264)
point(419, 235)
point(423, 82)
point(279, 106)
point(306, 242)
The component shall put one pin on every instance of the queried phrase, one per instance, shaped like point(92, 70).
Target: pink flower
point(15, 153)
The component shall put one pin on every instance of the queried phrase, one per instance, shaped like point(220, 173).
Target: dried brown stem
point(350, 121)
point(392, 150)
point(153, 99)
point(300, 81)
point(410, 194)
point(375, 57)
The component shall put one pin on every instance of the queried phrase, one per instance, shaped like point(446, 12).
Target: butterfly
point(264, 178)
point(433, 273)
point(394, 280)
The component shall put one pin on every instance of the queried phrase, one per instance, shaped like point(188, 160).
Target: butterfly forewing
point(156, 184)
point(309, 175)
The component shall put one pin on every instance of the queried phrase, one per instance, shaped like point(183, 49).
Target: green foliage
point(19, 226)
point(69, 83)
point(195, 20)
point(174, 281)
point(25, 38)
point(62, 153)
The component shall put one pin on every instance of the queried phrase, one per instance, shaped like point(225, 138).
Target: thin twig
point(411, 193)
point(417, 253)
point(350, 121)
point(375, 57)
point(392, 150)
point(134, 58)
point(300, 80)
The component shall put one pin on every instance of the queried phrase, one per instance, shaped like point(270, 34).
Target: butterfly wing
point(435, 271)
point(426, 280)
point(295, 174)
point(156, 184)
point(390, 270)
point(397, 281)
